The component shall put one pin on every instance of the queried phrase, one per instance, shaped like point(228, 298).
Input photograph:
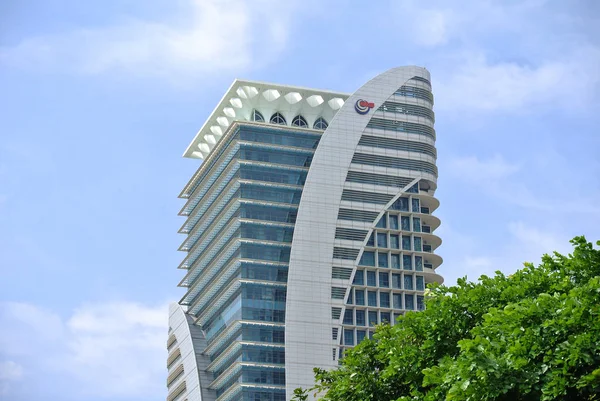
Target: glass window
point(257, 116)
point(416, 208)
point(418, 246)
point(393, 222)
point(385, 317)
point(409, 302)
point(396, 316)
point(407, 262)
point(277, 118)
point(381, 222)
point(420, 283)
point(395, 260)
point(360, 296)
point(382, 259)
point(396, 281)
point(408, 282)
point(370, 335)
point(401, 204)
point(420, 302)
point(416, 224)
point(360, 318)
point(418, 263)
point(394, 241)
point(367, 259)
point(372, 298)
point(371, 279)
point(348, 337)
point(405, 223)
point(382, 240)
point(384, 280)
point(372, 318)
point(414, 189)
point(397, 298)
point(406, 243)
point(320, 123)
point(299, 121)
point(371, 240)
point(359, 277)
point(348, 318)
point(350, 301)
point(384, 300)
point(360, 335)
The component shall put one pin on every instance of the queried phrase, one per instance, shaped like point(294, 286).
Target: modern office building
point(309, 221)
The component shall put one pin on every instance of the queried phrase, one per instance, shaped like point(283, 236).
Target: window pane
point(381, 222)
point(360, 297)
point(382, 240)
point(382, 259)
point(395, 261)
point(348, 319)
point(359, 277)
point(360, 335)
point(418, 246)
point(384, 300)
point(396, 281)
point(416, 208)
point(385, 317)
point(405, 222)
point(407, 262)
point(409, 303)
point(384, 280)
point(371, 241)
point(418, 263)
point(372, 295)
point(406, 243)
point(348, 337)
point(367, 259)
point(350, 301)
point(360, 317)
point(397, 298)
point(401, 204)
point(420, 302)
point(371, 279)
point(372, 318)
point(393, 222)
point(420, 283)
point(394, 241)
point(408, 282)
point(416, 224)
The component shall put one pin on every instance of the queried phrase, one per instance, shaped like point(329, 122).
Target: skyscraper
point(308, 222)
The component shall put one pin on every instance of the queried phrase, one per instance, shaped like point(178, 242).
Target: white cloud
point(207, 36)
point(475, 170)
point(479, 84)
point(113, 350)
point(537, 241)
point(9, 372)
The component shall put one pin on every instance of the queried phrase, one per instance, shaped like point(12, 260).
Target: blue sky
point(99, 100)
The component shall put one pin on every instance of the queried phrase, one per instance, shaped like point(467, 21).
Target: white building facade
point(308, 223)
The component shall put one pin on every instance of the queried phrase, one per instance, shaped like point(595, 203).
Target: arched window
point(277, 118)
point(299, 121)
point(256, 116)
point(320, 124)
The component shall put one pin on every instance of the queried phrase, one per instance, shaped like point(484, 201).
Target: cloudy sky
point(98, 102)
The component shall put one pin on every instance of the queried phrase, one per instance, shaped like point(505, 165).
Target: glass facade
point(255, 207)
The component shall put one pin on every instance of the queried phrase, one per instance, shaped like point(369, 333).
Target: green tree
point(533, 335)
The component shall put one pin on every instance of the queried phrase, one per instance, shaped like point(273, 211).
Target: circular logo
point(362, 106)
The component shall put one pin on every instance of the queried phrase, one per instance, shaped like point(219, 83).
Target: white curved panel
point(190, 342)
point(308, 338)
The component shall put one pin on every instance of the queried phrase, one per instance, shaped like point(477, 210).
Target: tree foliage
point(533, 335)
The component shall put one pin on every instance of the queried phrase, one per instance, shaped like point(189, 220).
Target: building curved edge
point(309, 323)
point(187, 376)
